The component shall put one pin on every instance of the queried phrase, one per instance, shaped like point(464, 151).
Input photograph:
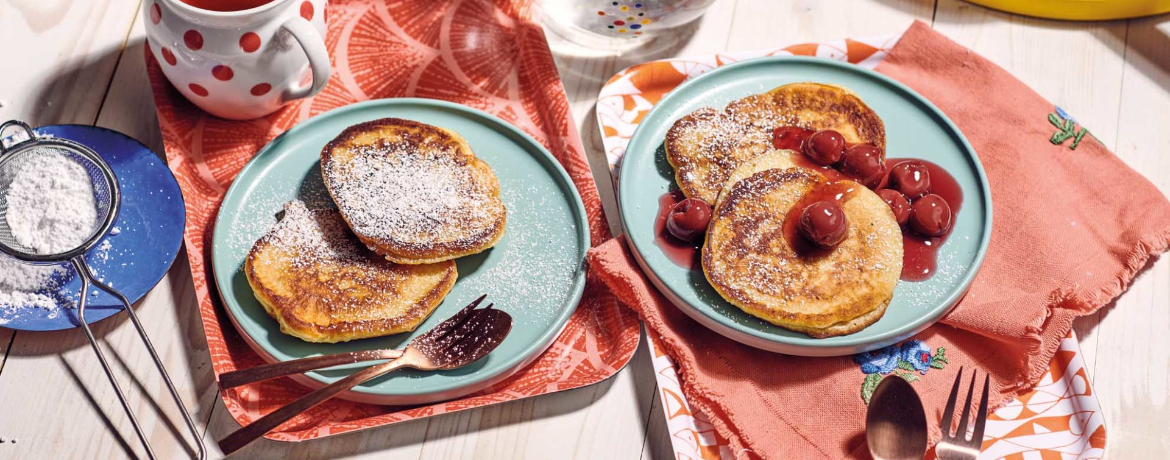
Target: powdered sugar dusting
point(24, 286)
point(395, 191)
point(315, 237)
point(707, 145)
point(41, 291)
point(330, 273)
point(51, 206)
point(928, 294)
point(536, 260)
point(260, 209)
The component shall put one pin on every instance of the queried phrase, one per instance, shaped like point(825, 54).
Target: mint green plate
point(534, 273)
point(914, 128)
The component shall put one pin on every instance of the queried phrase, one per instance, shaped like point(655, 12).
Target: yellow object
point(1080, 10)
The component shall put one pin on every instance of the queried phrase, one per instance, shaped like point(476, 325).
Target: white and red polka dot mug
point(240, 64)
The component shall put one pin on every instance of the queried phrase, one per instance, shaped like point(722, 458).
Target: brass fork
point(297, 366)
point(463, 339)
point(958, 446)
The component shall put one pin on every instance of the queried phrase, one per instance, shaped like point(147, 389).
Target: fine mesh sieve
point(16, 155)
point(105, 191)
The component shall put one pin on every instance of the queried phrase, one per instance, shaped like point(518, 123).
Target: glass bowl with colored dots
point(595, 22)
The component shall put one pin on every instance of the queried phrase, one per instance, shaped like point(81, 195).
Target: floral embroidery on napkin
point(1066, 129)
point(901, 360)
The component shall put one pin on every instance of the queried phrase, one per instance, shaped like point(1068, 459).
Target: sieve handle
point(28, 132)
point(86, 274)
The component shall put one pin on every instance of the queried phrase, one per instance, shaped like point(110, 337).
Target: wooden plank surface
point(59, 56)
point(82, 63)
point(1132, 351)
point(6, 336)
point(54, 397)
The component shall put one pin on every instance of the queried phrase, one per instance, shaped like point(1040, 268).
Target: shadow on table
point(135, 373)
point(417, 434)
point(106, 421)
point(109, 88)
point(1147, 48)
point(1139, 41)
point(1084, 326)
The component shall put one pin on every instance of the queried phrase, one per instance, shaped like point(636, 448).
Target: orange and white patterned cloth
point(482, 54)
point(1058, 419)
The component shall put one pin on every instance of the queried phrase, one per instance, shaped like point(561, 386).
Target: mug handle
point(314, 47)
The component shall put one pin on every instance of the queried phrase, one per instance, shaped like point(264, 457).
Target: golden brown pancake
point(750, 261)
point(773, 159)
point(413, 192)
point(315, 278)
point(705, 146)
point(814, 106)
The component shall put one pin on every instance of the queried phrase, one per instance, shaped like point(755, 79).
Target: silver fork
point(958, 446)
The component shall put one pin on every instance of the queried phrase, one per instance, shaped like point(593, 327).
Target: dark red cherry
point(931, 216)
point(865, 163)
point(898, 204)
point(911, 178)
point(688, 219)
point(790, 137)
point(825, 147)
point(824, 223)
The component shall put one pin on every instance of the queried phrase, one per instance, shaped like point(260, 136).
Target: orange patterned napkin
point(1073, 225)
point(478, 53)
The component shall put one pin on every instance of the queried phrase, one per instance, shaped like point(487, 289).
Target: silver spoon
point(895, 424)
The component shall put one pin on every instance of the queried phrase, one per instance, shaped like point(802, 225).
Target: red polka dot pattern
point(198, 90)
point(261, 89)
point(155, 13)
point(169, 56)
point(193, 39)
point(249, 42)
point(307, 11)
point(222, 72)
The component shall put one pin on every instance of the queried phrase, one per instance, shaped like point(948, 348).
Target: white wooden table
point(68, 61)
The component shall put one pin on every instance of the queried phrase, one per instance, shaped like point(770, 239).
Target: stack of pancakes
point(411, 198)
point(726, 158)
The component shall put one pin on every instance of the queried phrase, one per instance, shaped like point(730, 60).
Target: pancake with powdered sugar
point(318, 281)
point(413, 192)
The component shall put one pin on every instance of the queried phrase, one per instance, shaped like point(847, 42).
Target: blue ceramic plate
point(535, 272)
point(915, 128)
point(148, 236)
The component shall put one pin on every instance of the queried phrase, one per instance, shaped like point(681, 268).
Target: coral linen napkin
point(1073, 225)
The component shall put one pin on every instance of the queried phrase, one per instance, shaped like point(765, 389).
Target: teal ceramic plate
point(534, 273)
point(914, 128)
